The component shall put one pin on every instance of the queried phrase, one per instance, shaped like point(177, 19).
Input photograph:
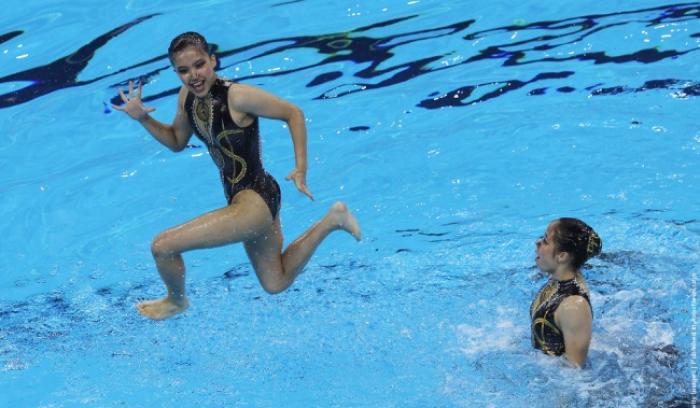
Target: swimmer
point(561, 312)
point(224, 116)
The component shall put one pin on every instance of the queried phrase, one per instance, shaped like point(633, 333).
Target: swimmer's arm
point(256, 102)
point(176, 135)
point(573, 317)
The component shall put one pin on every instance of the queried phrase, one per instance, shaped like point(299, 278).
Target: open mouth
point(197, 86)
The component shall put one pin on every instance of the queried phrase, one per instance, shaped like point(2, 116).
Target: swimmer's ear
point(564, 257)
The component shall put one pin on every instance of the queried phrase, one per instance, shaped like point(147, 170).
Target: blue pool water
point(454, 130)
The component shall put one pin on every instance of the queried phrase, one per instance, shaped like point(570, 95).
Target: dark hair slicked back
point(188, 39)
point(578, 238)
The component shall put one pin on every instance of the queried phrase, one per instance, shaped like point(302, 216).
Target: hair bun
point(595, 245)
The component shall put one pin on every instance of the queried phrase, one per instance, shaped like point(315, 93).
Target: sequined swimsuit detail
point(546, 336)
point(234, 150)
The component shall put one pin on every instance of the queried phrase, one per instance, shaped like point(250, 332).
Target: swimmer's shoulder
point(573, 302)
point(572, 307)
point(237, 90)
point(240, 96)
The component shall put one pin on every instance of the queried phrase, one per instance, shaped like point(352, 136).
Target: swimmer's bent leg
point(245, 218)
point(276, 271)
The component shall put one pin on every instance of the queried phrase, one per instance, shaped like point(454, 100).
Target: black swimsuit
point(546, 336)
point(235, 150)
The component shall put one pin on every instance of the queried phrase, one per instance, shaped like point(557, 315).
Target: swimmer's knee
point(161, 247)
point(274, 288)
point(275, 284)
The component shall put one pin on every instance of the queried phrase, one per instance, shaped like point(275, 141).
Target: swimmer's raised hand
point(299, 178)
point(132, 103)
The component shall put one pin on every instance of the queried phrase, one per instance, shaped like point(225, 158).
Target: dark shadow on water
point(373, 57)
point(61, 73)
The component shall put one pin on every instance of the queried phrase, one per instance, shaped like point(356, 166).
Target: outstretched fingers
point(304, 189)
point(299, 179)
point(134, 108)
point(124, 99)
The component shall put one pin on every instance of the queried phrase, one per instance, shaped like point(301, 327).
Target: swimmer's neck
point(563, 274)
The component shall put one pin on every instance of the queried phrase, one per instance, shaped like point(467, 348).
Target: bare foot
point(344, 220)
point(162, 309)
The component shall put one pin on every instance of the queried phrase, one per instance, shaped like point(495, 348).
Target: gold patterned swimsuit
point(546, 336)
point(234, 150)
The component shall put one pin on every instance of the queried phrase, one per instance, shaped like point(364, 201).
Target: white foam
point(14, 365)
point(658, 334)
point(501, 336)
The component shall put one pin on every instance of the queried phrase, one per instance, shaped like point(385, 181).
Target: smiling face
point(195, 69)
point(546, 251)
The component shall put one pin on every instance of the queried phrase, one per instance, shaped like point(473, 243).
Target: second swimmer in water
point(224, 115)
point(561, 312)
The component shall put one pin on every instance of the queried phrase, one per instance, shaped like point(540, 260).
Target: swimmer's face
point(545, 249)
point(195, 69)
